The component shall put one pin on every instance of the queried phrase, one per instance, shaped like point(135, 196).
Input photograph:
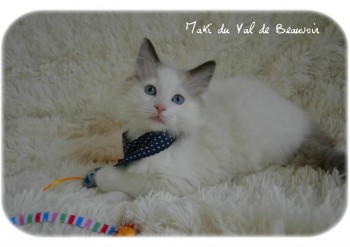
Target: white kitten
point(233, 127)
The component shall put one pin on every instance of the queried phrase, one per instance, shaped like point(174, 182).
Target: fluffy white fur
point(63, 71)
point(242, 127)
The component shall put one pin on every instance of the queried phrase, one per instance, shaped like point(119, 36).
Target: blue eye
point(178, 99)
point(150, 90)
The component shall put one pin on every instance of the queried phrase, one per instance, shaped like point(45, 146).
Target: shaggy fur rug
point(62, 72)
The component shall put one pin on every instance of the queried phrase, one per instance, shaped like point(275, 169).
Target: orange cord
point(60, 181)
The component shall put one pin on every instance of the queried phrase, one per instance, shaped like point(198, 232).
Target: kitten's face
point(161, 98)
point(162, 103)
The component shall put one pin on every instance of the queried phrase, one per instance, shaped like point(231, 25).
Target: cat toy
point(152, 142)
point(127, 229)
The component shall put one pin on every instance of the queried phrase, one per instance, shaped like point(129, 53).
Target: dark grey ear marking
point(147, 60)
point(199, 77)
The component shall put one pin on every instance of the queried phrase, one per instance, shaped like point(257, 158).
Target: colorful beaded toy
point(127, 229)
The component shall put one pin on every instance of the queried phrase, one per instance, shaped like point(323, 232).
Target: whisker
point(148, 110)
point(168, 117)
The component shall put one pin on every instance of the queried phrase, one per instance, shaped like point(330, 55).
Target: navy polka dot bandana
point(146, 145)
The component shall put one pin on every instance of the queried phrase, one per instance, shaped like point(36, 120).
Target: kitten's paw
point(109, 178)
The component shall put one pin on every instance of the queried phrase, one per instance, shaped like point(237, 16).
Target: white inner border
point(11, 10)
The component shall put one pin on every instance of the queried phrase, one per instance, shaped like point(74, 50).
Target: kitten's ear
point(198, 78)
point(147, 60)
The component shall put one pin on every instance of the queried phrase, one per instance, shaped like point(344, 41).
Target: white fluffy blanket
point(61, 77)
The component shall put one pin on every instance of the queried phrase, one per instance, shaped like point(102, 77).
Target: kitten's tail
point(318, 151)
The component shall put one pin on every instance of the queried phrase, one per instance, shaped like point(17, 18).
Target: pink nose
point(160, 108)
